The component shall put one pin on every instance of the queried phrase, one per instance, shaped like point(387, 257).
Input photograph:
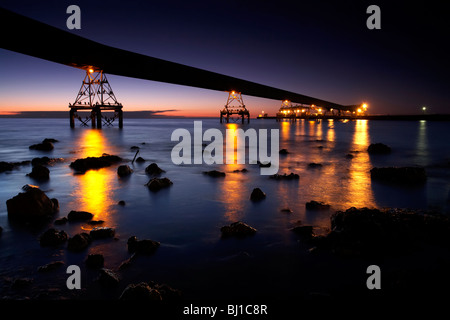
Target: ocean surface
point(186, 218)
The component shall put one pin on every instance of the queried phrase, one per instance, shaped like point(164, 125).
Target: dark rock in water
point(291, 176)
point(315, 205)
point(9, 166)
point(39, 172)
point(214, 173)
point(313, 165)
point(79, 216)
point(134, 148)
point(286, 210)
point(106, 160)
point(400, 175)
point(145, 246)
point(50, 266)
point(153, 169)
point(95, 260)
point(349, 156)
point(51, 140)
point(127, 263)
point(45, 161)
point(43, 146)
point(124, 170)
point(378, 148)
point(257, 195)
point(95, 222)
point(157, 184)
point(53, 237)
point(121, 203)
point(167, 293)
point(55, 204)
point(61, 221)
point(102, 232)
point(305, 232)
point(79, 242)
point(108, 278)
point(30, 207)
point(242, 170)
point(140, 159)
point(284, 151)
point(140, 292)
point(237, 229)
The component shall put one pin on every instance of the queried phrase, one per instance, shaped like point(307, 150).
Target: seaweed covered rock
point(31, 206)
point(378, 148)
point(237, 229)
point(400, 175)
point(157, 184)
point(106, 160)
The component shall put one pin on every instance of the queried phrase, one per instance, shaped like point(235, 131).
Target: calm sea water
point(186, 218)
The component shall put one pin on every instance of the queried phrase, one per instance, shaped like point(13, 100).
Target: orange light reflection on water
point(93, 190)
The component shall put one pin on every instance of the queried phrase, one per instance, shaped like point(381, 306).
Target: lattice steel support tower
point(229, 109)
point(96, 95)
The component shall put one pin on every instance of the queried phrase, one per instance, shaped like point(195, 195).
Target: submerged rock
point(153, 169)
point(121, 203)
point(106, 160)
point(140, 292)
point(145, 246)
point(291, 176)
point(237, 229)
point(378, 148)
point(53, 237)
point(315, 205)
point(242, 170)
point(214, 173)
point(74, 216)
point(157, 184)
point(400, 175)
point(257, 195)
point(140, 159)
point(39, 172)
point(284, 151)
point(79, 242)
point(102, 232)
point(43, 146)
point(9, 166)
point(30, 206)
point(124, 170)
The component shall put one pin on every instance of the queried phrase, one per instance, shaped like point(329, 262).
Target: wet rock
point(31, 206)
point(61, 221)
point(378, 148)
point(45, 161)
point(95, 222)
point(237, 229)
point(291, 176)
point(140, 159)
point(153, 169)
point(286, 210)
point(102, 233)
point(95, 260)
point(314, 165)
point(284, 151)
point(108, 278)
point(214, 173)
point(349, 156)
point(315, 205)
point(106, 160)
point(51, 140)
point(121, 203)
point(145, 246)
point(39, 172)
point(53, 237)
point(79, 242)
point(124, 171)
point(140, 292)
point(75, 216)
point(157, 184)
point(50, 266)
point(242, 170)
point(257, 195)
point(43, 146)
point(400, 175)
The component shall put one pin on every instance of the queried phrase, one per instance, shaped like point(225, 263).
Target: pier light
point(320, 110)
point(359, 110)
point(424, 108)
point(91, 70)
point(364, 106)
point(303, 110)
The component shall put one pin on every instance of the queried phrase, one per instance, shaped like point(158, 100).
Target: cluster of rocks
point(291, 176)
point(9, 166)
point(45, 145)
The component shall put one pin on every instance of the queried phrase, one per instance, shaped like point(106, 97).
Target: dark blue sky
point(319, 48)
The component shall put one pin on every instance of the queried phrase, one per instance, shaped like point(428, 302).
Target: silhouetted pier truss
point(40, 40)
